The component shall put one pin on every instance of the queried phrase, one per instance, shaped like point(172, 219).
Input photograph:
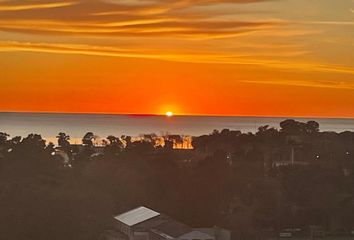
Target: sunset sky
point(202, 57)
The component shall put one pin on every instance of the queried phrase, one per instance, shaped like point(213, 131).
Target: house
point(170, 229)
point(136, 224)
point(143, 223)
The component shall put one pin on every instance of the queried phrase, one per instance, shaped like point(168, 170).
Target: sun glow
point(169, 114)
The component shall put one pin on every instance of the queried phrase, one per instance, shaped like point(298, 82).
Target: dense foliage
point(293, 177)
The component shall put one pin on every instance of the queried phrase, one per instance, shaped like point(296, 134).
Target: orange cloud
point(199, 57)
point(19, 7)
point(301, 83)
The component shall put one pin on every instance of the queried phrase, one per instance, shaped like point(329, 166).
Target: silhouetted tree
point(63, 140)
point(3, 137)
point(87, 140)
point(290, 126)
point(312, 127)
point(16, 140)
point(127, 140)
point(115, 145)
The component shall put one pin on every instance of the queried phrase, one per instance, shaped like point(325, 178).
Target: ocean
point(76, 125)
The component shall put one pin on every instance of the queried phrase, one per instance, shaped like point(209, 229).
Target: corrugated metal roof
point(136, 216)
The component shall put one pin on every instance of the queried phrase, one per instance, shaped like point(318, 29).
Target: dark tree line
point(242, 181)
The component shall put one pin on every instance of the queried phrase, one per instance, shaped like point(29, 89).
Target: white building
point(145, 224)
point(136, 224)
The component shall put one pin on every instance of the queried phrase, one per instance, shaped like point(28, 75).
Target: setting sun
point(169, 114)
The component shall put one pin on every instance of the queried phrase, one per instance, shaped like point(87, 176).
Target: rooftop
point(171, 229)
point(136, 216)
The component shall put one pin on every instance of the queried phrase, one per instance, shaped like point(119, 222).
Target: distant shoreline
point(177, 115)
point(77, 124)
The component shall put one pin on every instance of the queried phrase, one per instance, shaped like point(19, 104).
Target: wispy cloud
point(8, 6)
point(197, 57)
point(117, 18)
point(137, 27)
point(339, 23)
point(347, 85)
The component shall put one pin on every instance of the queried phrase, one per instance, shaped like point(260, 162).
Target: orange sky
point(210, 57)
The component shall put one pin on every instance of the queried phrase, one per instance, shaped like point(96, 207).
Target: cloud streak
point(153, 18)
point(301, 83)
point(20, 7)
point(198, 57)
point(338, 23)
point(138, 27)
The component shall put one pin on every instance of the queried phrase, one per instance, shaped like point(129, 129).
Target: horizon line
point(179, 115)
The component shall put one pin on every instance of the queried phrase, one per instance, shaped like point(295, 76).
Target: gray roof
point(136, 216)
point(171, 229)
